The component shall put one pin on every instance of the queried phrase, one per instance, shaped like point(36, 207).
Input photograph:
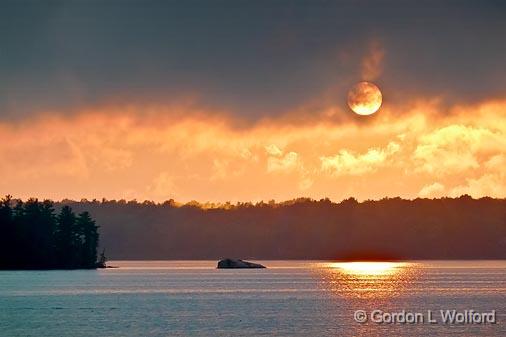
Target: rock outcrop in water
point(236, 263)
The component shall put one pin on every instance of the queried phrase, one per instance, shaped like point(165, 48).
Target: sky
point(246, 100)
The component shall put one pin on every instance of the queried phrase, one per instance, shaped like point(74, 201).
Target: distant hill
point(461, 228)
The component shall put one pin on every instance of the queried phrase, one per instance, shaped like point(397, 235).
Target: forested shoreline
point(49, 235)
point(36, 236)
point(390, 228)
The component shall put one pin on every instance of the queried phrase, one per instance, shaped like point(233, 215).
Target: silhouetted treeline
point(461, 228)
point(35, 236)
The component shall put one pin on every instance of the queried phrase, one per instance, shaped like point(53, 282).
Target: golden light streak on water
point(368, 268)
point(373, 280)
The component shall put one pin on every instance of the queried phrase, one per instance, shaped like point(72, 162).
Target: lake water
point(290, 298)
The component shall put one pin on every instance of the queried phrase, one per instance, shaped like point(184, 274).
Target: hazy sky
point(246, 100)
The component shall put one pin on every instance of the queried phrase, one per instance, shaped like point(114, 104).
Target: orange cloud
point(185, 152)
point(433, 190)
point(346, 163)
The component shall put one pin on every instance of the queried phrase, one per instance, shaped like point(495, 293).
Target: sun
point(364, 98)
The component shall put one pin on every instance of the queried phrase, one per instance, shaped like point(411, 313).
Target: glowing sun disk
point(364, 98)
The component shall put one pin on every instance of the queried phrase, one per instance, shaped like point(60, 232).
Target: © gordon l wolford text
point(446, 316)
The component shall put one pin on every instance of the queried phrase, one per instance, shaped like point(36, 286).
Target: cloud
point(432, 190)
point(455, 148)
point(305, 183)
point(85, 58)
point(163, 186)
point(289, 162)
point(492, 185)
point(348, 163)
point(273, 150)
point(496, 163)
point(190, 152)
point(372, 63)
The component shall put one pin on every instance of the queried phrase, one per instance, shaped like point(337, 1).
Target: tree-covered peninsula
point(36, 236)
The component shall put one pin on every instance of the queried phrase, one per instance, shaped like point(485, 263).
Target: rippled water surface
point(290, 298)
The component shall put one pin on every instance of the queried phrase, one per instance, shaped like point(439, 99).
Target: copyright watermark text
point(448, 316)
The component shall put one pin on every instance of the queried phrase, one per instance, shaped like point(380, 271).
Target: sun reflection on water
point(368, 268)
point(367, 279)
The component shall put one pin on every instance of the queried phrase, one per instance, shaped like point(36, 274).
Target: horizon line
point(229, 204)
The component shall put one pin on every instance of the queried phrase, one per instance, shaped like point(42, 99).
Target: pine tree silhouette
point(34, 237)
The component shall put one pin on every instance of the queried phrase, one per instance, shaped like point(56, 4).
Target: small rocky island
point(236, 263)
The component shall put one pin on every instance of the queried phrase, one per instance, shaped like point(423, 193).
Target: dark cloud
point(253, 57)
